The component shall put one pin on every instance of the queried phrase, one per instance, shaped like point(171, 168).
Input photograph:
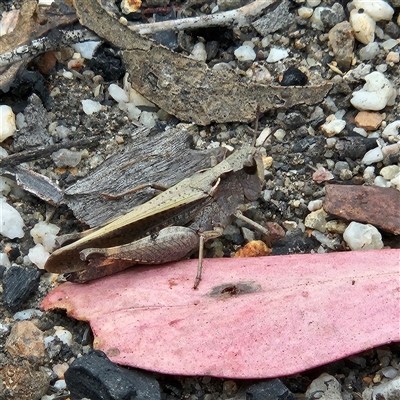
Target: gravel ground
point(299, 145)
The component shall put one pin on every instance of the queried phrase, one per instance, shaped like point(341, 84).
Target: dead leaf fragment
point(373, 205)
point(185, 87)
point(241, 312)
point(255, 248)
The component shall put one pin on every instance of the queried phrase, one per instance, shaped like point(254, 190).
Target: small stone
point(305, 12)
point(316, 20)
point(336, 226)
point(90, 106)
point(278, 18)
point(390, 372)
point(314, 205)
point(66, 158)
point(396, 181)
point(27, 314)
point(63, 335)
point(117, 93)
point(393, 57)
point(130, 6)
point(368, 204)
point(26, 340)
point(229, 388)
point(362, 237)
point(45, 234)
point(363, 26)
point(341, 40)
point(38, 255)
point(18, 284)
point(326, 386)
point(392, 130)
point(381, 182)
point(277, 54)
point(340, 166)
point(294, 77)
point(27, 382)
point(107, 377)
point(376, 94)
point(372, 156)
point(199, 52)
point(390, 171)
point(334, 127)
point(316, 220)
point(332, 16)
point(370, 121)
point(313, 3)
point(86, 49)
point(322, 175)
point(11, 224)
point(245, 53)
point(369, 52)
point(7, 122)
point(224, 5)
point(376, 9)
point(148, 119)
point(270, 389)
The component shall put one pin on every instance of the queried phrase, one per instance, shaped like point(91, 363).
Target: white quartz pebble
point(376, 9)
point(314, 205)
point(363, 26)
point(245, 53)
point(381, 182)
point(4, 261)
point(372, 156)
point(334, 127)
point(11, 223)
point(86, 49)
point(277, 54)
point(7, 122)
point(362, 237)
point(45, 234)
point(38, 255)
point(117, 93)
point(148, 119)
point(90, 106)
point(376, 94)
point(199, 52)
point(392, 129)
point(5, 185)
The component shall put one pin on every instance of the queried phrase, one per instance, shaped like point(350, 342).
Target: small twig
point(240, 16)
point(44, 151)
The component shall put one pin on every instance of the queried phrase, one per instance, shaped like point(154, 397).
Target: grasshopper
point(168, 227)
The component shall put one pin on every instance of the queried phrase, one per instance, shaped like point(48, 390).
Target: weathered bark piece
point(163, 157)
point(250, 317)
point(186, 87)
point(33, 23)
point(374, 205)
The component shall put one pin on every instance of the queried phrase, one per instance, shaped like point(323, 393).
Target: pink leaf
point(250, 318)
